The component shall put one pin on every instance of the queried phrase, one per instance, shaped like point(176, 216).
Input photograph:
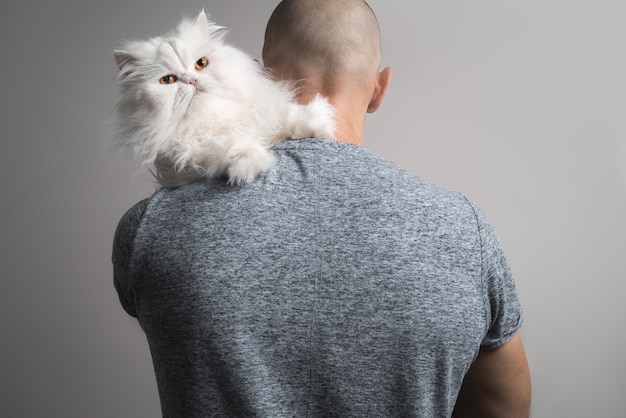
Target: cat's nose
point(190, 79)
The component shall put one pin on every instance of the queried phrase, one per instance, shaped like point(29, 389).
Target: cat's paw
point(316, 119)
point(246, 163)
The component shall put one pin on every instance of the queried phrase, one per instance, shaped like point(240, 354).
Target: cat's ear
point(207, 27)
point(202, 19)
point(202, 23)
point(123, 58)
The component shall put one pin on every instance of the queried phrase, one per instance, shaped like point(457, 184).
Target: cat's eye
point(168, 79)
point(202, 63)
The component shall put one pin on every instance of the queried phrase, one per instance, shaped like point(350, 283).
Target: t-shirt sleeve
point(122, 253)
point(501, 298)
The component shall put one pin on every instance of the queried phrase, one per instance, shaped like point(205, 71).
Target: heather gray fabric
point(338, 285)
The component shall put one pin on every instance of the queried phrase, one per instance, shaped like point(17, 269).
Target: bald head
point(327, 43)
point(330, 47)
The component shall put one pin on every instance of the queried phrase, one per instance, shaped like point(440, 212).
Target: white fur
point(223, 125)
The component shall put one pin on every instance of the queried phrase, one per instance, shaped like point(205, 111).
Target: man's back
point(338, 285)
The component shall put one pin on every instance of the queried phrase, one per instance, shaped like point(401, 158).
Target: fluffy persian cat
point(193, 106)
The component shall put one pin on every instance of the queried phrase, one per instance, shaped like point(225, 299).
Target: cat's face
point(164, 79)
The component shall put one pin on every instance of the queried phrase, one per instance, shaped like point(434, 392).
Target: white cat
point(196, 107)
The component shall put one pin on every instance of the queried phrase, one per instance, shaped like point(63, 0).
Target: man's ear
point(382, 83)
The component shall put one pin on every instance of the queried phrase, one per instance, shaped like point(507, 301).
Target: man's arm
point(497, 384)
point(122, 253)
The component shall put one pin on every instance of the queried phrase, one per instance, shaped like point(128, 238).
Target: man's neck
point(349, 115)
point(349, 119)
point(348, 131)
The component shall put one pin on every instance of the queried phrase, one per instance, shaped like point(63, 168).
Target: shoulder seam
point(486, 307)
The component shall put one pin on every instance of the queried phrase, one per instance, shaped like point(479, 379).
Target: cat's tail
point(315, 119)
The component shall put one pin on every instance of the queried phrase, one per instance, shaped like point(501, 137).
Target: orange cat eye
point(168, 79)
point(202, 63)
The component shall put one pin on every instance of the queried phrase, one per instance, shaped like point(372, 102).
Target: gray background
point(519, 104)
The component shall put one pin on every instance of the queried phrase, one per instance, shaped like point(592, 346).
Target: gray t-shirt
point(337, 285)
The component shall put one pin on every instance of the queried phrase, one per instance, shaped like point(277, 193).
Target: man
point(338, 284)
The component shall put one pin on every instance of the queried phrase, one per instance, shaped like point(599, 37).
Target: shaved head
point(325, 43)
point(332, 48)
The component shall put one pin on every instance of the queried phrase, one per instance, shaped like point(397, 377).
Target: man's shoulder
point(129, 222)
point(357, 170)
point(134, 214)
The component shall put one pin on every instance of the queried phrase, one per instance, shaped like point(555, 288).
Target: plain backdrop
point(519, 104)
